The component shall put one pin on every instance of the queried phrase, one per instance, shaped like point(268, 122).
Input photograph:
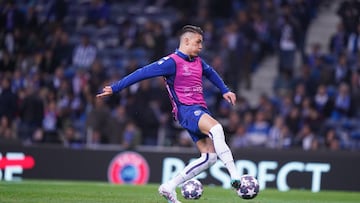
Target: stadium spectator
point(7, 131)
point(282, 84)
point(258, 131)
point(131, 136)
point(232, 43)
point(299, 94)
point(181, 20)
point(302, 12)
point(341, 71)
point(305, 82)
point(120, 119)
point(223, 112)
point(159, 37)
point(246, 46)
point(262, 37)
point(71, 138)
point(233, 121)
point(7, 63)
point(266, 106)
point(353, 45)
point(149, 109)
point(248, 118)
point(128, 33)
point(8, 107)
point(58, 10)
point(288, 39)
point(18, 81)
point(239, 138)
point(323, 103)
point(343, 104)
point(79, 81)
point(31, 18)
point(306, 138)
point(210, 36)
point(338, 40)
point(98, 122)
point(278, 135)
point(99, 12)
point(293, 120)
point(47, 64)
point(63, 49)
point(332, 140)
point(285, 105)
point(314, 120)
point(305, 106)
point(96, 76)
point(50, 123)
point(314, 55)
point(31, 112)
point(349, 12)
point(11, 16)
point(84, 53)
point(355, 89)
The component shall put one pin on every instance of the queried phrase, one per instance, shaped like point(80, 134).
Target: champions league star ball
point(192, 189)
point(249, 187)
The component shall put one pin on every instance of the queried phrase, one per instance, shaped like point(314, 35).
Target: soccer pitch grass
point(31, 191)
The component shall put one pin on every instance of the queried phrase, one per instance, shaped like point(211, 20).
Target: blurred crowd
point(56, 55)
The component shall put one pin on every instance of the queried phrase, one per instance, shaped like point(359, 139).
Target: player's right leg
point(168, 194)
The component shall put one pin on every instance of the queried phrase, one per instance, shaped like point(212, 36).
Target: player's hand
point(106, 92)
point(230, 97)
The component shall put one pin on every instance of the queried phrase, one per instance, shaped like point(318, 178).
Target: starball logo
point(12, 165)
point(128, 168)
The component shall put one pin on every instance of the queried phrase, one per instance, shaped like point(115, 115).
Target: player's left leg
point(208, 125)
point(208, 157)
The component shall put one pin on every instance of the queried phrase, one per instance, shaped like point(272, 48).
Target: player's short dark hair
point(191, 28)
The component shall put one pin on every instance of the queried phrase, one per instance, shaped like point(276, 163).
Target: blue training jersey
point(166, 67)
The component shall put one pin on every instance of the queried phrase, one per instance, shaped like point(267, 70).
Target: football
point(192, 189)
point(249, 188)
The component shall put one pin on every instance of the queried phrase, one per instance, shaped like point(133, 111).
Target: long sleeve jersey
point(183, 76)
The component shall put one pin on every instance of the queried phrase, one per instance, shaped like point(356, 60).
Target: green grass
point(98, 192)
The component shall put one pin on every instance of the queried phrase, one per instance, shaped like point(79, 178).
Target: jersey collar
point(185, 56)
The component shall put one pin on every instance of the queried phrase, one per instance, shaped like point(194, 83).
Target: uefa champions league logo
point(187, 71)
point(128, 168)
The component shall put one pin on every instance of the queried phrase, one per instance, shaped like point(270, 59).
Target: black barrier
point(284, 170)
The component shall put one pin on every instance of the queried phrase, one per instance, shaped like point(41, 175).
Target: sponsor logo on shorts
point(197, 112)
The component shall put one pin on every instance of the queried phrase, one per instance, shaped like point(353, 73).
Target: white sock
point(223, 150)
point(193, 169)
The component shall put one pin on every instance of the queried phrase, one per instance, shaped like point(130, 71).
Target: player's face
point(195, 44)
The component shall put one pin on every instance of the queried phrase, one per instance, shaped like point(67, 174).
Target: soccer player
point(183, 71)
